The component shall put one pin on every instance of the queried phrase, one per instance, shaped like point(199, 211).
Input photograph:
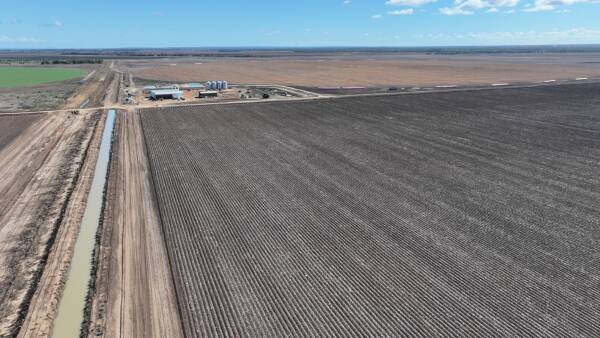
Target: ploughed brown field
point(13, 125)
point(398, 70)
point(459, 214)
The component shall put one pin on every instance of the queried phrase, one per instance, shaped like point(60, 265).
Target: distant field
point(397, 70)
point(11, 77)
point(465, 214)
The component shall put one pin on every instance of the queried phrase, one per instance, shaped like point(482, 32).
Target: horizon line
point(267, 47)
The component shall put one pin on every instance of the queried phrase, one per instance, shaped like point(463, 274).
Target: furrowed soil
point(38, 174)
point(465, 214)
point(133, 294)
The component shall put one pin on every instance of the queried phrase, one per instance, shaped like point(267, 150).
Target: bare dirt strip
point(38, 173)
point(94, 91)
point(44, 303)
point(459, 214)
point(134, 294)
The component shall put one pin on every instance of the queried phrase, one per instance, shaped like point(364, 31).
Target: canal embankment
point(71, 307)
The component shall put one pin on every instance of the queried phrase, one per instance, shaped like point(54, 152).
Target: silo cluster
point(217, 85)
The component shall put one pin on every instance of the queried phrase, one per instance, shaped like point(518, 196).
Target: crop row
point(440, 215)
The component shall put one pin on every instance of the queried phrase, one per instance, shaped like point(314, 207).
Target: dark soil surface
point(465, 214)
point(12, 125)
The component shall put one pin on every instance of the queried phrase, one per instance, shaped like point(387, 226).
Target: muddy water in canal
point(70, 312)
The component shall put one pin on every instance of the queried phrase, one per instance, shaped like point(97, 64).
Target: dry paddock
point(465, 214)
point(12, 126)
point(415, 71)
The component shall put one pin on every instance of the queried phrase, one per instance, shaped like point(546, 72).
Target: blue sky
point(284, 23)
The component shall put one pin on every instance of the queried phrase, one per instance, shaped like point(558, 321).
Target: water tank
point(219, 85)
point(225, 85)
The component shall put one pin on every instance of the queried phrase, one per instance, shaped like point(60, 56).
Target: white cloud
point(539, 8)
point(8, 39)
point(408, 3)
point(575, 35)
point(468, 7)
point(409, 11)
point(551, 5)
point(54, 24)
point(347, 2)
point(454, 11)
point(376, 16)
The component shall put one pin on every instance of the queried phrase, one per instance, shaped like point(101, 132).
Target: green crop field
point(11, 77)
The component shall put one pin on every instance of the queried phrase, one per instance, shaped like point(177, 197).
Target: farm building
point(147, 89)
point(206, 94)
point(193, 86)
point(173, 94)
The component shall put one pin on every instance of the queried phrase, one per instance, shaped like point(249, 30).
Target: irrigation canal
point(70, 312)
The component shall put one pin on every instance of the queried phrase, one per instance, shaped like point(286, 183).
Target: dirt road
point(134, 295)
point(38, 173)
point(93, 92)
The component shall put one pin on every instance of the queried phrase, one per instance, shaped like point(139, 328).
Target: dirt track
point(406, 72)
point(94, 91)
point(38, 172)
point(134, 295)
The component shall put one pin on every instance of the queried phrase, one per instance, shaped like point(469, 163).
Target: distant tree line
point(72, 62)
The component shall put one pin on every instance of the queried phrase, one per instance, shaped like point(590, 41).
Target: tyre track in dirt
point(134, 295)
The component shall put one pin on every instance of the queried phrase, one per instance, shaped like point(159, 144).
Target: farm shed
point(205, 94)
point(173, 94)
point(193, 86)
point(147, 89)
